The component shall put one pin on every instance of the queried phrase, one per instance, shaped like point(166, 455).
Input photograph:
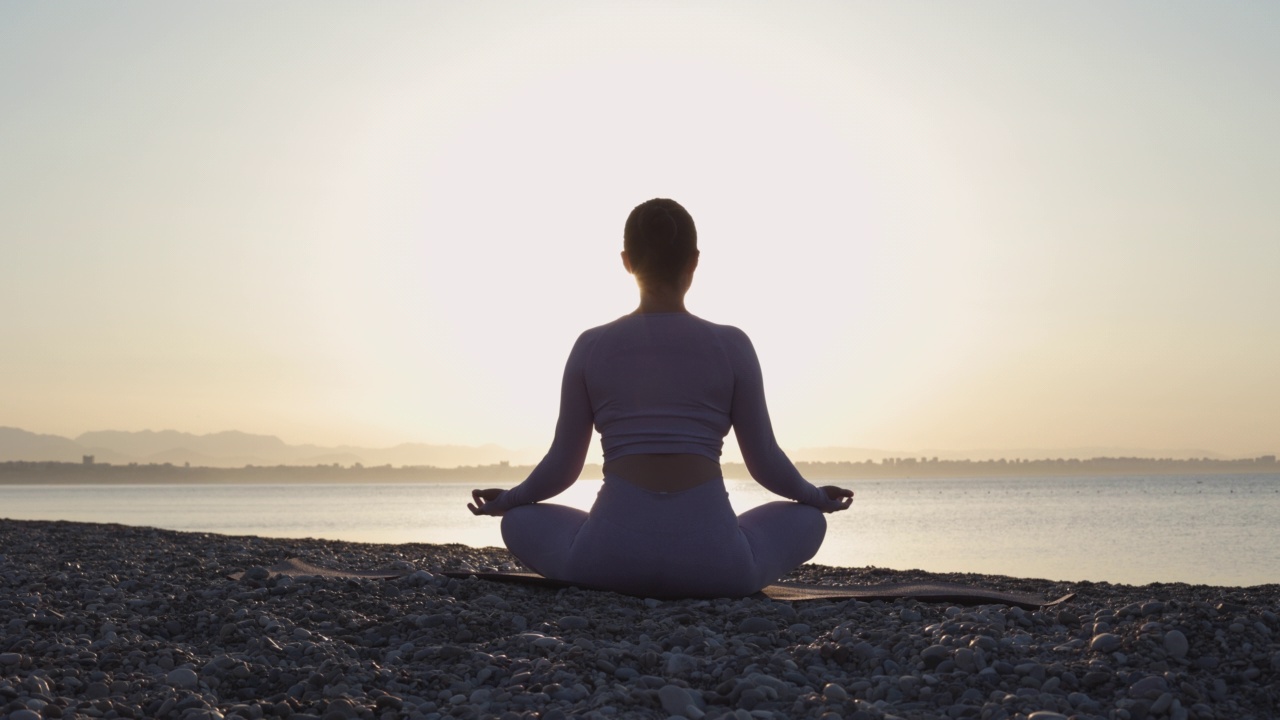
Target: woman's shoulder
point(728, 333)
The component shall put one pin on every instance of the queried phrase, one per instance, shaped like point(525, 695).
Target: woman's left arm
point(563, 462)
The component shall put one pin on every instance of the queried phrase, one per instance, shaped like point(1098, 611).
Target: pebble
point(1105, 642)
point(1175, 643)
point(1150, 687)
point(934, 655)
point(184, 678)
point(110, 621)
point(675, 699)
point(757, 625)
point(574, 622)
point(834, 693)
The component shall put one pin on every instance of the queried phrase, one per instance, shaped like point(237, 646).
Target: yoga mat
point(953, 593)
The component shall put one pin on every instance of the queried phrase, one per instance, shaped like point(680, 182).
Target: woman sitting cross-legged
point(663, 387)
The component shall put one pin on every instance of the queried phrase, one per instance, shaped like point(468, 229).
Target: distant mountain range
point(237, 449)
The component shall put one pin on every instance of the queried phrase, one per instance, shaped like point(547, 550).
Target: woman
point(663, 387)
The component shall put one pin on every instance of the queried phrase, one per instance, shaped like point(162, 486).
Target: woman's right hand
point(838, 498)
point(481, 499)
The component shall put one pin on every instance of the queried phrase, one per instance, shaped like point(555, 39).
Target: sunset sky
point(952, 226)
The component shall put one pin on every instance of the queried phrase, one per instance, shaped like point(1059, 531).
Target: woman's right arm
point(563, 462)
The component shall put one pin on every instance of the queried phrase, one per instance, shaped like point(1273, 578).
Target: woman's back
point(660, 383)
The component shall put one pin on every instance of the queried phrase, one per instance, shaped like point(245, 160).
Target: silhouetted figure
point(663, 387)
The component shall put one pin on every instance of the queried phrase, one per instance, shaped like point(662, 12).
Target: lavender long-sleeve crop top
point(662, 383)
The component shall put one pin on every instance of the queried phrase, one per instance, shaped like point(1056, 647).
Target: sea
point(1212, 530)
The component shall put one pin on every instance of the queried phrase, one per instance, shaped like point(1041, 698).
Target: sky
point(956, 226)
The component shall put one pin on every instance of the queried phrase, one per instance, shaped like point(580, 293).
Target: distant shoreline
point(86, 473)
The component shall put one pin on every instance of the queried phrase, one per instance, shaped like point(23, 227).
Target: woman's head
point(661, 241)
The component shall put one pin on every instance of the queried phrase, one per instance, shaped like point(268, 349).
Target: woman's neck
point(661, 301)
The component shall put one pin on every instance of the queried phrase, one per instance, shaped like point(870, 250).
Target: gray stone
point(757, 625)
point(1105, 642)
point(935, 654)
point(1175, 644)
point(10, 658)
point(750, 698)
point(574, 622)
point(97, 690)
point(184, 678)
point(680, 664)
point(1207, 662)
point(1149, 688)
point(834, 693)
point(675, 699)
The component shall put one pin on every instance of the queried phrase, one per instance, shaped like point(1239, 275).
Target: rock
point(674, 699)
point(10, 658)
point(1046, 715)
point(834, 693)
point(97, 690)
point(1149, 688)
point(184, 678)
point(257, 573)
point(750, 698)
point(1154, 607)
point(574, 622)
point(340, 709)
point(966, 659)
point(680, 664)
point(1207, 662)
point(935, 654)
point(757, 626)
point(1105, 643)
point(1175, 644)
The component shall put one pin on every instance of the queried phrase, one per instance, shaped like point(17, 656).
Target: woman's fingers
point(842, 497)
point(480, 500)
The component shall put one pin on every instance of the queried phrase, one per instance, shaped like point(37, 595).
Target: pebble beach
point(108, 621)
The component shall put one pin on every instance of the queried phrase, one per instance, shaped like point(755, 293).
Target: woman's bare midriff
point(664, 473)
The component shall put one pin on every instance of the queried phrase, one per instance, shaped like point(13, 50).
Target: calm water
point(1218, 530)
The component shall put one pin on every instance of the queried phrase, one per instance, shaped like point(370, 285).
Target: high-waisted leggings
point(665, 545)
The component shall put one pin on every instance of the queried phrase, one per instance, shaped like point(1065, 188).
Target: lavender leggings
point(665, 545)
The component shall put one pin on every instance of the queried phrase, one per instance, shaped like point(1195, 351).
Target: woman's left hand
point(838, 498)
point(481, 499)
